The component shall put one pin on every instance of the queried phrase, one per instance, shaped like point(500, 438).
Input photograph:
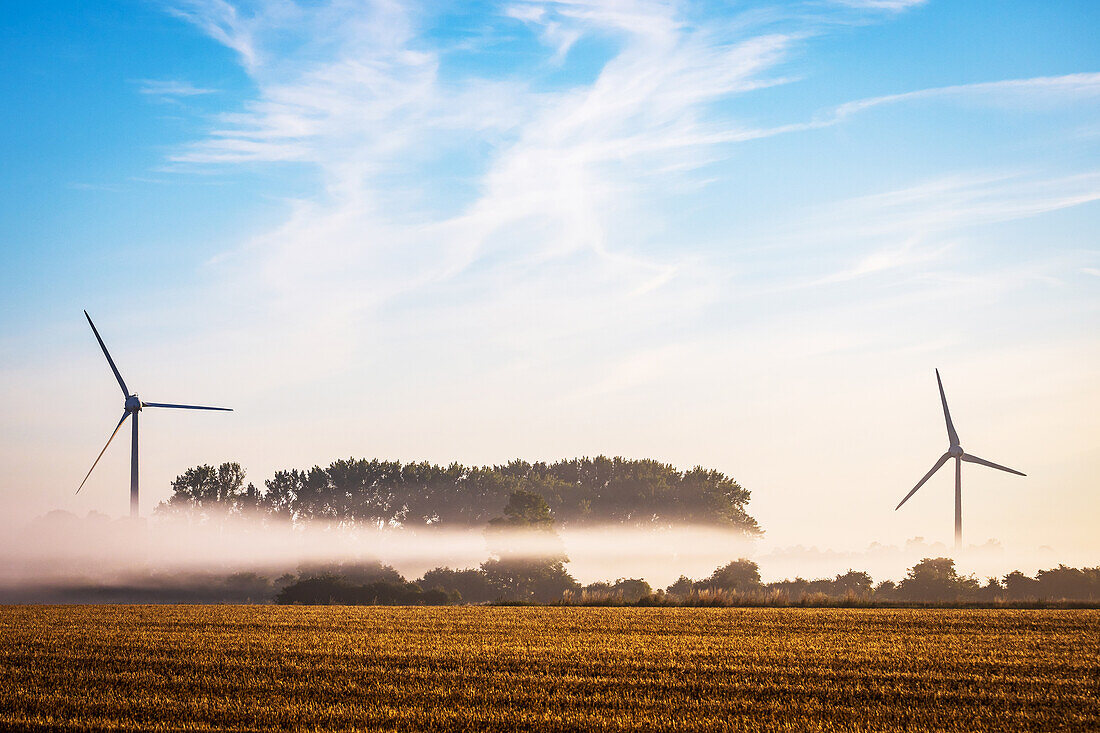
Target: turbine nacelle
point(955, 451)
point(133, 404)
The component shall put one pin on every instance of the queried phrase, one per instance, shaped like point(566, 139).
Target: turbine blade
point(943, 460)
point(982, 462)
point(124, 416)
point(185, 407)
point(125, 392)
point(951, 434)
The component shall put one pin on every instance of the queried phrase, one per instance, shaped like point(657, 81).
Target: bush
point(740, 576)
point(631, 589)
point(330, 589)
point(681, 588)
point(523, 579)
point(471, 585)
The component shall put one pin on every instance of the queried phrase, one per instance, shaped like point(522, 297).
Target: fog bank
point(61, 549)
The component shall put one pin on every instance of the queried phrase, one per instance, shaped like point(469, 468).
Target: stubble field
point(476, 668)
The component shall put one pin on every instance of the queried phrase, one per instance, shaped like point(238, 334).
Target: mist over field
point(62, 550)
point(63, 547)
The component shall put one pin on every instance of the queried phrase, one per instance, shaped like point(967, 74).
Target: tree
point(599, 587)
point(710, 497)
point(528, 579)
point(314, 499)
point(935, 579)
point(471, 585)
point(631, 590)
point(1020, 587)
point(207, 490)
point(283, 490)
point(353, 571)
point(852, 583)
point(526, 530)
point(250, 587)
point(993, 590)
point(251, 502)
point(229, 484)
point(326, 589)
point(682, 587)
point(518, 572)
point(525, 510)
point(739, 576)
point(1066, 583)
point(886, 591)
point(330, 589)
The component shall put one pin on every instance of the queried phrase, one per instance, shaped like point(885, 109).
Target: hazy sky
point(739, 235)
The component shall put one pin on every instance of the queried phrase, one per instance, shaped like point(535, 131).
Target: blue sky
point(733, 234)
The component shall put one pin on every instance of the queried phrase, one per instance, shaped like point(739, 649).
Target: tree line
point(510, 575)
point(932, 580)
point(362, 492)
point(522, 498)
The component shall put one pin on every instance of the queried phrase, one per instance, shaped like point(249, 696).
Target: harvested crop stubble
point(477, 668)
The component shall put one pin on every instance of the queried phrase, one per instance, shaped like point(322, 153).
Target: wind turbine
point(132, 406)
point(954, 451)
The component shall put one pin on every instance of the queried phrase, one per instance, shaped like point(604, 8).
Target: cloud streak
point(964, 201)
point(892, 5)
point(1036, 91)
point(170, 88)
point(223, 22)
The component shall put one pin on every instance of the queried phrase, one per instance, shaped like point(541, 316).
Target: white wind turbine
point(132, 406)
point(954, 451)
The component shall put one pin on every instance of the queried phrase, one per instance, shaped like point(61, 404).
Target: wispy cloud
point(910, 232)
point(1027, 92)
point(965, 201)
point(170, 88)
point(546, 241)
point(1033, 93)
point(560, 191)
point(893, 5)
point(222, 22)
point(81, 186)
point(912, 252)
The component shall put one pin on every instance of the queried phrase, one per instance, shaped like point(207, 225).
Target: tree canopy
point(374, 492)
point(936, 579)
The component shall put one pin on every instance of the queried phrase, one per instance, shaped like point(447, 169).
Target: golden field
point(547, 668)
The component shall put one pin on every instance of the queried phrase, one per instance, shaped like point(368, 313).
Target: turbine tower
point(132, 406)
point(954, 451)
